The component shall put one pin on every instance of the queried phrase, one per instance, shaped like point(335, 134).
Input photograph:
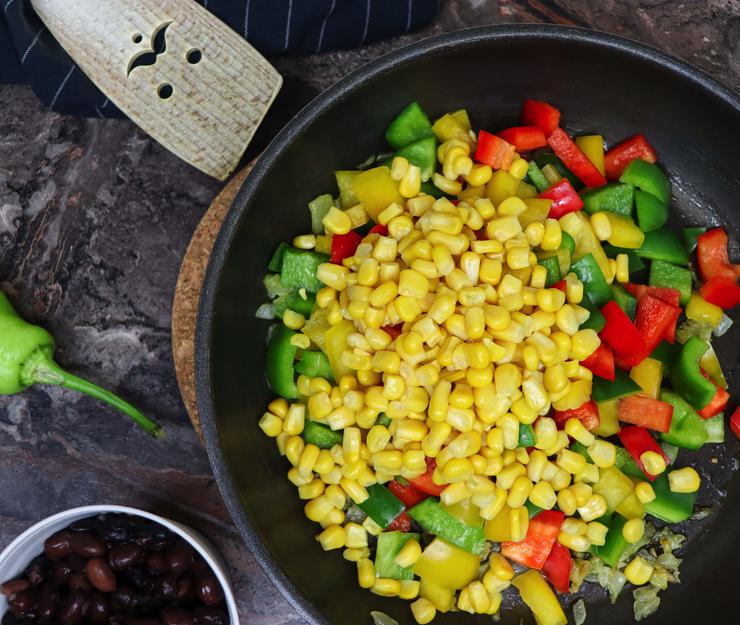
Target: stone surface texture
point(94, 220)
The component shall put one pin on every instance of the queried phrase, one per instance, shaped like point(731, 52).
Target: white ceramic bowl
point(15, 558)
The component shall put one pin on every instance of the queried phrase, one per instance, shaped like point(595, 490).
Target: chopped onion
point(724, 325)
point(266, 311)
point(579, 612)
point(382, 619)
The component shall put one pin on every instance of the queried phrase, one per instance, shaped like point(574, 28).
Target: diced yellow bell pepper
point(526, 191)
point(524, 274)
point(608, 418)
point(710, 363)
point(344, 184)
point(631, 508)
point(593, 147)
point(471, 194)
point(461, 117)
point(316, 326)
point(540, 598)
point(700, 309)
point(467, 512)
point(498, 529)
point(614, 486)
point(441, 597)
point(447, 565)
point(648, 375)
point(335, 342)
point(452, 125)
point(578, 226)
point(376, 190)
point(502, 185)
point(537, 210)
point(625, 232)
point(551, 174)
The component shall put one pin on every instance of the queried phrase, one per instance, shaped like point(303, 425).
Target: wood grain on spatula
point(177, 71)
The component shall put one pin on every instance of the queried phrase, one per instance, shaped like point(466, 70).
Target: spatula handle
point(177, 71)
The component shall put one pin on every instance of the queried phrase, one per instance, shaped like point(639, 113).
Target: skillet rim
point(292, 130)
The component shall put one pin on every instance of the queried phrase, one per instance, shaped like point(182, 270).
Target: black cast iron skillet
point(601, 83)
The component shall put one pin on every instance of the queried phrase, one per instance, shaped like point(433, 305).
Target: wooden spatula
point(177, 71)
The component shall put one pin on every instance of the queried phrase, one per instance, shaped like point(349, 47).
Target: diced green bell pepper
point(667, 353)
point(648, 177)
point(689, 237)
point(670, 276)
point(429, 188)
point(536, 177)
point(383, 419)
point(436, 520)
point(382, 506)
point(622, 386)
point(318, 207)
point(688, 429)
point(410, 125)
point(635, 262)
point(595, 321)
point(562, 255)
point(279, 369)
point(686, 377)
point(344, 178)
point(389, 546)
point(715, 428)
point(532, 509)
point(626, 463)
point(624, 300)
point(423, 154)
point(320, 435)
point(276, 262)
point(651, 212)
point(299, 269)
point(526, 436)
point(314, 364)
point(615, 197)
point(293, 301)
point(669, 506)
point(567, 242)
point(663, 244)
point(552, 266)
point(548, 158)
point(615, 544)
point(596, 290)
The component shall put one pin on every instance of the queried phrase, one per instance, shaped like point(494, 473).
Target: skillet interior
point(601, 83)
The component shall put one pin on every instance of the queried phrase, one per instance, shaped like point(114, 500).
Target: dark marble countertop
point(94, 221)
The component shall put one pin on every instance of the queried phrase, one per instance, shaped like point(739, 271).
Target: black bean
point(124, 599)
point(148, 604)
point(76, 562)
point(140, 579)
point(73, 608)
point(48, 601)
point(13, 586)
point(82, 525)
point(23, 602)
point(10, 619)
point(37, 570)
point(140, 620)
point(99, 609)
point(208, 589)
point(185, 587)
point(57, 546)
point(167, 587)
point(123, 557)
point(199, 566)
point(79, 581)
point(176, 616)
point(180, 556)
point(61, 572)
point(114, 529)
point(210, 616)
point(151, 535)
point(87, 545)
point(101, 576)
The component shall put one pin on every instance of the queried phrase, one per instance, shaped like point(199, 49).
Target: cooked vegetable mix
point(483, 368)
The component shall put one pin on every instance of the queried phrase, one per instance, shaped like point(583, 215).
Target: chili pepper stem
point(45, 371)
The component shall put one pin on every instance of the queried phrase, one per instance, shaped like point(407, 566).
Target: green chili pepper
point(663, 244)
point(299, 269)
point(624, 300)
point(689, 237)
point(635, 262)
point(669, 506)
point(595, 288)
point(320, 435)
point(526, 436)
point(651, 212)
point(552, 266)
point(615, 197)
point(27, 357)
point(648, 177)
point(536, 177)
point(688, 429)
point(623, 385)
point(615, 544)
point(663, 274)
point(280, 356)
point(381, 506)
point(436, 520)
point(314, 364)
point(389, 546)
point(686, 377)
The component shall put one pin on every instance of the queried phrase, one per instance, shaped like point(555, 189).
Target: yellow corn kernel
point(450, 187)
point(294, 419)
point(305, 242)
point(560, 479)
point(507, 476)
point(546, 433)
point(377, 438)
point(385, 249)
point(333, 537)
point(555, 379)
point(356, 536)
point(603, 453)
point(601, 225)
point(633, 530)
point(577, 527)
point(409, 554)
point(653, 462)
point(423, 610)
point(355, 491)
point(455, 493)
point(409, 589)
point(399, 167)
point(365, 573)
point(457, 470)
point(334, 276)
point(519, 492)
point(293, 320)
point(313, 489)
point(511, 206)
point(684, 480)
point(307, 459)
point(317, 508)
point(566, 320)
point(596, 533)
point(500, 567)
point(503, 228)
point(575, 429)
point(553, 235)
point(567, 502)
point(518, 258)
point(622, 272)
point(550, 300)
point(386, 587)
point(543, 495)
point(478, 597)
point(518, 523)
point(570, 461)
point(410, 184)
point(584, 343)
point(576, 542)
point(593, 509)
point(271, 424)
point(507, 378)
point(336, 221)
point(644, 492)
point(582, 493)
point(638, 571)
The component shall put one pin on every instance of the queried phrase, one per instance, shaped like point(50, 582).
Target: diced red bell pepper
point(562, 286)
point(622, 154)
point(343, 246)
point(718, 403)
point(587, 413)
point(574, 159)
point(393, 331)
point(407, 493)
point(541, 114)
point(425, 483)
point(380, 229)
point(721, 291)
point(622, 336)
point(524, 138)
point(557, 567)
point(711, 252)
point(671, 296)
point(656, 320)
point(646, 412)
point(564, 199)
point(735, 422)
point(542, 533)
point(637, 440)
point(601, 362)
point(494, 151)
point(402, 523)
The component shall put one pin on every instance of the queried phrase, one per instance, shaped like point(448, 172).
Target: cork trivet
point(187, 292)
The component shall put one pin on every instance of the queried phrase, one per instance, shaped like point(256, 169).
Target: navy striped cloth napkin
point(30, 55)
